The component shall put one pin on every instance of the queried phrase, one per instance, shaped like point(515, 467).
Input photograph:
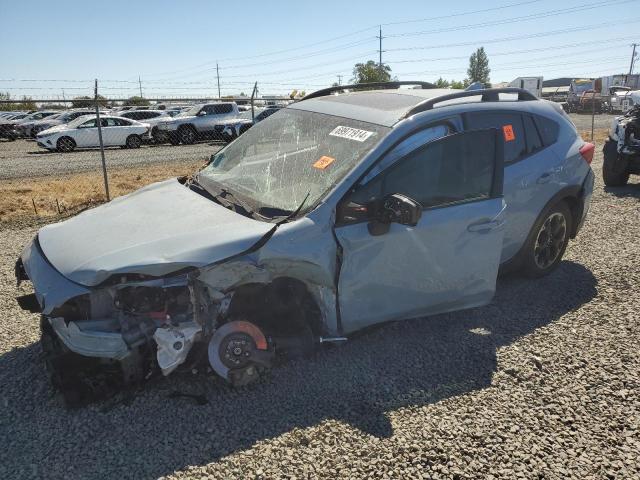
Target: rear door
point(449, 260)
point(531, 173)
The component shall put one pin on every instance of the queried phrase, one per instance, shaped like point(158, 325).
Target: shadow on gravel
point(400, 365)
point(631, 190)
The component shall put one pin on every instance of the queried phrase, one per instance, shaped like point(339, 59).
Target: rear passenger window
point(548, 130)
point(514, 145)
point(533, 139)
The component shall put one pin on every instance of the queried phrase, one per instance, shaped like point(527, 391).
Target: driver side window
point(453, 169)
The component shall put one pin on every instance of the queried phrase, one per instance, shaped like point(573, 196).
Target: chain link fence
point(59, 157)
point(64, 156)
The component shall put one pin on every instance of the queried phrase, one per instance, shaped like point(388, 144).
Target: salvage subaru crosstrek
point(346, 209)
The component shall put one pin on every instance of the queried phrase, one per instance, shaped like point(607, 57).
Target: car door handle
point(544, 178)
point(485, 226)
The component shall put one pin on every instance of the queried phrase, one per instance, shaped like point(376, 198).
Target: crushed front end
point(98, 338)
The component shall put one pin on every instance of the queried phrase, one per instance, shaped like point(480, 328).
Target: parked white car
point(83, 132)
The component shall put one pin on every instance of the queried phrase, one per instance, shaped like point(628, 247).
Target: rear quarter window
point(515, 145)
point(548, 130)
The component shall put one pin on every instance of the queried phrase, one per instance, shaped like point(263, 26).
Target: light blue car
point(349, 208)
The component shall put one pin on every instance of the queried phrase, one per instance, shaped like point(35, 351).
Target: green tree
point(137, 101)
point(371, 72)
point(478, 70)
point(87, 102)
point(460, 85)
point(442, 83)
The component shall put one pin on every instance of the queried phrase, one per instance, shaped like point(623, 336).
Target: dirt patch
point(50, 197)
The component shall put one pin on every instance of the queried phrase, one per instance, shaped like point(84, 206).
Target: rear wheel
point(133, 141)
point(548, 241)
point(614, 168)
point(187, 135)
point(65, 144)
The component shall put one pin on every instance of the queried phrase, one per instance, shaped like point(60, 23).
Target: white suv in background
point(196, 123)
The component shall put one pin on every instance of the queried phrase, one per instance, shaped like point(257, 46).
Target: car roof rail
point(486, 94)
point(366, 86)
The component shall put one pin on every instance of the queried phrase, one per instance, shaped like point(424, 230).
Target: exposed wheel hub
point(238, 351)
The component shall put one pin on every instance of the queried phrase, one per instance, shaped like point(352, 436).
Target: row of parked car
point(131, 127)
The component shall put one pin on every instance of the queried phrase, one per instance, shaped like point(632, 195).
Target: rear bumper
point(585, 200)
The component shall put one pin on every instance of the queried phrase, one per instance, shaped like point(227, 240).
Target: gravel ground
point(24, 158)
point(541, 383)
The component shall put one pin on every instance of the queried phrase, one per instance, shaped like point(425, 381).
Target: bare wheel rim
point(550, 240)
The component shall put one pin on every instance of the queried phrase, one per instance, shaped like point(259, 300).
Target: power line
point(516, 37)
point(350, 34)
point(517, 19)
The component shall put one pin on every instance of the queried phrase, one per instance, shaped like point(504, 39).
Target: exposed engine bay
point(626, 130)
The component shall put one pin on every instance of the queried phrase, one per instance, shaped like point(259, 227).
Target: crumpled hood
point(155, 231)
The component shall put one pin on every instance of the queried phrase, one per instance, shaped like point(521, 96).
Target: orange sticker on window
point(509, 136)
point(323, 162)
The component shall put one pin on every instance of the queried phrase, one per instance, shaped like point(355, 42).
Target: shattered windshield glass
point(292, 153)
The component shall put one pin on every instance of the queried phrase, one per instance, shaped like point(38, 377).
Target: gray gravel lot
point(541, 383)
point(23, 158)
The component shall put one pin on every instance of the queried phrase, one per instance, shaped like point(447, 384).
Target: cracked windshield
point(289, 155)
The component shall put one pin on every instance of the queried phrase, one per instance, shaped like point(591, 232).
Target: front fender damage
point(132, 328)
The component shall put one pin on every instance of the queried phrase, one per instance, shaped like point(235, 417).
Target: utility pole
point(63, 99)
point(218, 77)
point(140, 84)
point(380, 37)
point(633, 57)
point(339, 79)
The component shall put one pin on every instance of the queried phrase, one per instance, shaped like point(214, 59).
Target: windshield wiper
point(224, 193)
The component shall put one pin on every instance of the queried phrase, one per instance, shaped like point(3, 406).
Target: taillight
point(587, 152)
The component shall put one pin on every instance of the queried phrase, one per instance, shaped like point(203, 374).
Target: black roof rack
point(487, 94)
point(365, 86)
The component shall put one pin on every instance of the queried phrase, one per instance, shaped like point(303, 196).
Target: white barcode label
point(351, 133)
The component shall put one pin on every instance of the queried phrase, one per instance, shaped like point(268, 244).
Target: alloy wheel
point(550, 240)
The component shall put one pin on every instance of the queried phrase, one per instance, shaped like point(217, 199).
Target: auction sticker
point(509, 136)
point(351, 133)
point(323, 162)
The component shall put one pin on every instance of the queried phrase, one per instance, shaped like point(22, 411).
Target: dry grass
point(78, 191)
point(600, 135)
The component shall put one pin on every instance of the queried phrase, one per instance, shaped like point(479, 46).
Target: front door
point(87, 134)
point(449, 259)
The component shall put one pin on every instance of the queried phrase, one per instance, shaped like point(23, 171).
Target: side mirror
point(395, 208)
point(201, 113)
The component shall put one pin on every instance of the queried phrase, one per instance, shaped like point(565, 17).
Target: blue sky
point(47, 47)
